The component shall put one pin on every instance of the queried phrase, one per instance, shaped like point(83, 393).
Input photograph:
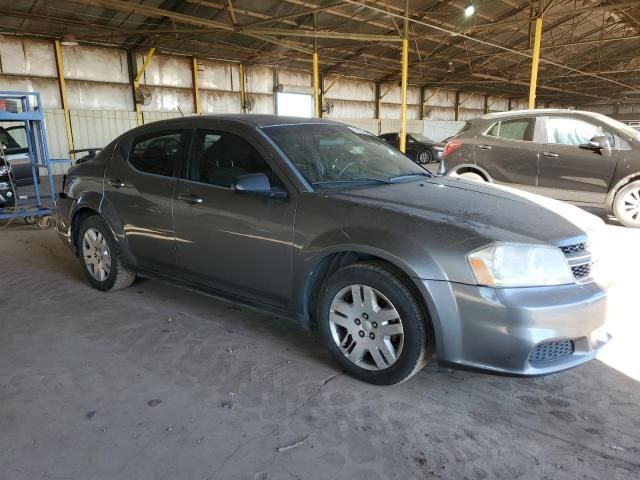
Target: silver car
point(326, 224)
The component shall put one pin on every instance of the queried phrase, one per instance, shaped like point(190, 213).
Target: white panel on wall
point(259, 80)
point(347, 89)
point(294, 78)
point(167, 71)
point(468, 114)
point(262, 103)
point(168, 99)
point(99, 96)
point(149, 117)
point(439, 113)
point(219, 102)
point(56, 139)
point(498, 104)
point(393, 125)
point(438, 130)
point(47, 87)
point(97, 128)
point(439, 98)
point(98, 64)
point(393, 111)
point(27, 57)
point(393, 96)
point(347, 109)
point(217, 75)
point(472, 101)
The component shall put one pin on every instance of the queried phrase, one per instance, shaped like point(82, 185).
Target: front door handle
point(550, 154)
point(116, 183)
point(193, 199)
point(483, 146)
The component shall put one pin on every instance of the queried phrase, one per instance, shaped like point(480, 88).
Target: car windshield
point(421, 138)
point(330, 155)
point(625, 129)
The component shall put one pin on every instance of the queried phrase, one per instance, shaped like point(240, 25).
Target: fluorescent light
point(469, 10)
point(69, 40)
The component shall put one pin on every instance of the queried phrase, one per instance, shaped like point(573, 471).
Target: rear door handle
point(116, 183)
point(193, 199)
point(550, 154)
point(482, 146)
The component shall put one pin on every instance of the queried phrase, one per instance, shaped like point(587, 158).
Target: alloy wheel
point(424, 157)
point(366, 327)
point(96, 255)
point(630, 203)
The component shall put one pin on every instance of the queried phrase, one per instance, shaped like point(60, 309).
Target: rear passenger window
point(574, 131)
point(518, 129)
point(156, 152)
point(219, 158)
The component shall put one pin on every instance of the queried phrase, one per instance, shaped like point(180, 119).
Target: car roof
point(535, 113)
point(258, 120)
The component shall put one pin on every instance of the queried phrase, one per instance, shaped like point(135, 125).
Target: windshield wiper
point(353, 180)
point(409, 175)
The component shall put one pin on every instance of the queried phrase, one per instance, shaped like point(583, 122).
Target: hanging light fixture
point(469, 10)
point(69, 41)
point(450, 68)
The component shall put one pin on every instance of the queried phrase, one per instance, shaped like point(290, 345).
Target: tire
point(94, 239)
point(346, 330)
point(424, 157)
point(626, 205)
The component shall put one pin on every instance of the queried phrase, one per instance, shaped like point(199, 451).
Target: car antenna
point(180, 110)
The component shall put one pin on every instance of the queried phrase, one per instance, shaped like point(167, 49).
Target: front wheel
point(373, 324)
point(100, 256)
point(626, 205)
point(425, 157)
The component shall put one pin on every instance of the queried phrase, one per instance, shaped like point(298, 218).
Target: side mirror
point(600, 144)
point(256, 184)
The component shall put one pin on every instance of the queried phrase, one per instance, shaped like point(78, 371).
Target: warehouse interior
point(160, 382)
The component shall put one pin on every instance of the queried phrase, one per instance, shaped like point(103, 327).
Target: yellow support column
point(243, 95)
point(196, 89)
point(316, 87)
point(534, 64)
point(405, 76)
point(63, 96)
point(136, 83)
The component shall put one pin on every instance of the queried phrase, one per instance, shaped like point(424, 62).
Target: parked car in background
point(326, 224)
point(419, 148)
point(584, 158)
point(13, 138)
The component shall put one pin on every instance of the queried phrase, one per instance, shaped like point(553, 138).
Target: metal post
point(486, 104)
point(243, 95)
point(136, 84)
point(534, 64)
point(422, 99)
point(457, 105)
point(63, 96)
point(405, 75)
point(276, 81)
point(378, 107)
point(196, 88)
point(316, 74)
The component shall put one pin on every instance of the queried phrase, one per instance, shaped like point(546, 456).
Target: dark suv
point(585, 158)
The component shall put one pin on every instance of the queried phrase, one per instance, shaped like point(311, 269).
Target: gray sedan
point(326, 224)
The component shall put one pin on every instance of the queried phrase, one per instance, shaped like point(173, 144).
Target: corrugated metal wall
point(101, 98)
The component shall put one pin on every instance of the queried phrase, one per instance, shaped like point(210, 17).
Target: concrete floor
point(154, 382)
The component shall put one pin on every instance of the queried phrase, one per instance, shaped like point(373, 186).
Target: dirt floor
point(155, 382)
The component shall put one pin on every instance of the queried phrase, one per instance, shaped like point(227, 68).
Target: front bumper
point(510, 331)
point(62, 217)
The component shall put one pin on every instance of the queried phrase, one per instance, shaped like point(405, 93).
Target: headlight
point(520, 265)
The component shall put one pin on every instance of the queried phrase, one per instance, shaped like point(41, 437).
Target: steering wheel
point(347, 167)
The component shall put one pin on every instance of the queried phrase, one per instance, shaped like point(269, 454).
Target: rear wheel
point(626, 205)
point(373, 325)
point(100, 256)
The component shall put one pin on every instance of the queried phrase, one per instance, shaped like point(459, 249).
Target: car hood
point(494, 213)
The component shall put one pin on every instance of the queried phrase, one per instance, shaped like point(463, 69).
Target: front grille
point(573, 250)
point(581, 271)
point(550, 351)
